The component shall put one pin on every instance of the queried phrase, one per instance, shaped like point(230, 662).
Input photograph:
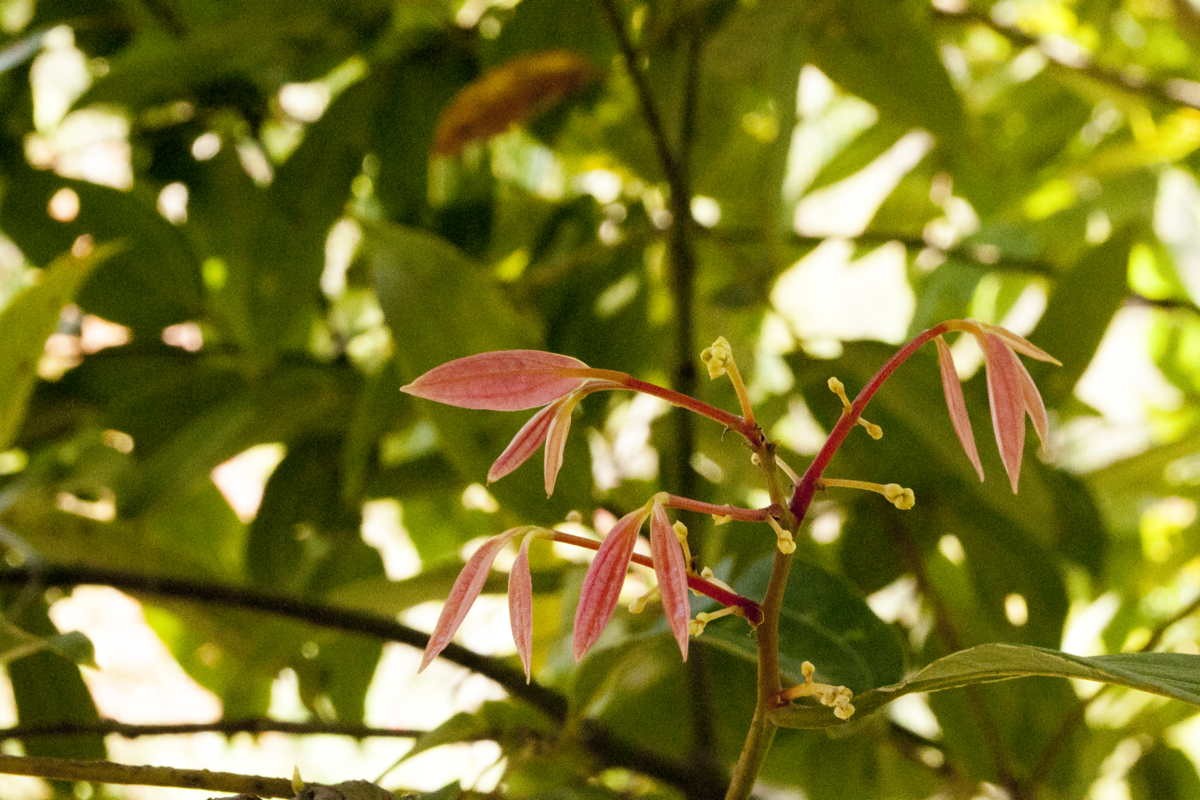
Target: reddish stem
point(750, 609)
point(752, 433)
point(802, 495)
point(733, 512)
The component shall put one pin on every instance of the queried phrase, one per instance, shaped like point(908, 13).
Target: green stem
point(770, 682)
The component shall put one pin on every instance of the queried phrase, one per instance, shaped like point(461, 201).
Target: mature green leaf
point(301, 509)
point(16, 643)
point(27, 320)
point(1174, 675)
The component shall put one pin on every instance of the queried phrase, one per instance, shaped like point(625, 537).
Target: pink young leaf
point(1022, 345)
point(1032, 399)
point(1006, 396)
point(672, 576)
point(463, 594)
point(502, 380)
point(602, 584)
point(520, 604)
point(556, 440)
point(957, 406)
point(524, 444)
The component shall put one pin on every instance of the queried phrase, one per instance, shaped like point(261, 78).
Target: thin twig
point(105, 727)
point(599, 740)
point(77, 769)
point(676, 170)
point(1070, 56)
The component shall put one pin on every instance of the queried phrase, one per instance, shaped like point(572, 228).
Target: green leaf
point(301, 502)
point(882, 50)
point(1174, 675)
point(27, 321)
point(495, 719)
point(16, 643)
point(1163, 773)
point(152, 282)
point(48, 689)
point(825, 621)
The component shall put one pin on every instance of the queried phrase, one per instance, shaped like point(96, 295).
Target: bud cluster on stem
point(522, 379)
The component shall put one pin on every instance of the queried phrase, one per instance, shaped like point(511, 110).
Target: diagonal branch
point(599, 740)
point(1070, 56)
point(105, 727)
point(78, 769)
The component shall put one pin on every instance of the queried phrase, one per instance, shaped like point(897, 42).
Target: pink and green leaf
point(463, 594)
point(1034, 403)
point(1022, 345)
point(556, 440)
point(957, 406)
point(501, 380)
point(520, 604)
point(604, 579)
point(671, 572)
point(1006, 394)
point(524, 444)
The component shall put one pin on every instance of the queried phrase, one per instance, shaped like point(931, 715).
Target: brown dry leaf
point(512, 92)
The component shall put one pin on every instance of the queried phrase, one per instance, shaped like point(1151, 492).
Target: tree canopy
point(241, 228)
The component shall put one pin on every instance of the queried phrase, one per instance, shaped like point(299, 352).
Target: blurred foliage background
point(230, 231)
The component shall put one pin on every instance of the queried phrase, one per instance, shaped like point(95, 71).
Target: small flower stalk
point(513, 380)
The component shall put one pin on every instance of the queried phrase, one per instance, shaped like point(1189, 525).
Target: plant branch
point(1070, 56)
point(76, 769)
point(805, 490)
point(607, 748)
point(105, 727)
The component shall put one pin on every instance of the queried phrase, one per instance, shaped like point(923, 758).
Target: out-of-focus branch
point(74, 769)
point(607, 748)
point(1070, 56)
point(127, 730)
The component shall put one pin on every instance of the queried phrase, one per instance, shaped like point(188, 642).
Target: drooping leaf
point(510, 93)
point(27, 321)
point(957, 406)
point(671, 573)
point(604, 579)
point(1174, 675)
point(463, 594)
point(49, 688)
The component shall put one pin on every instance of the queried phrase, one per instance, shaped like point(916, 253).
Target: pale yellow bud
point(899, 496)
point(717, 357)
